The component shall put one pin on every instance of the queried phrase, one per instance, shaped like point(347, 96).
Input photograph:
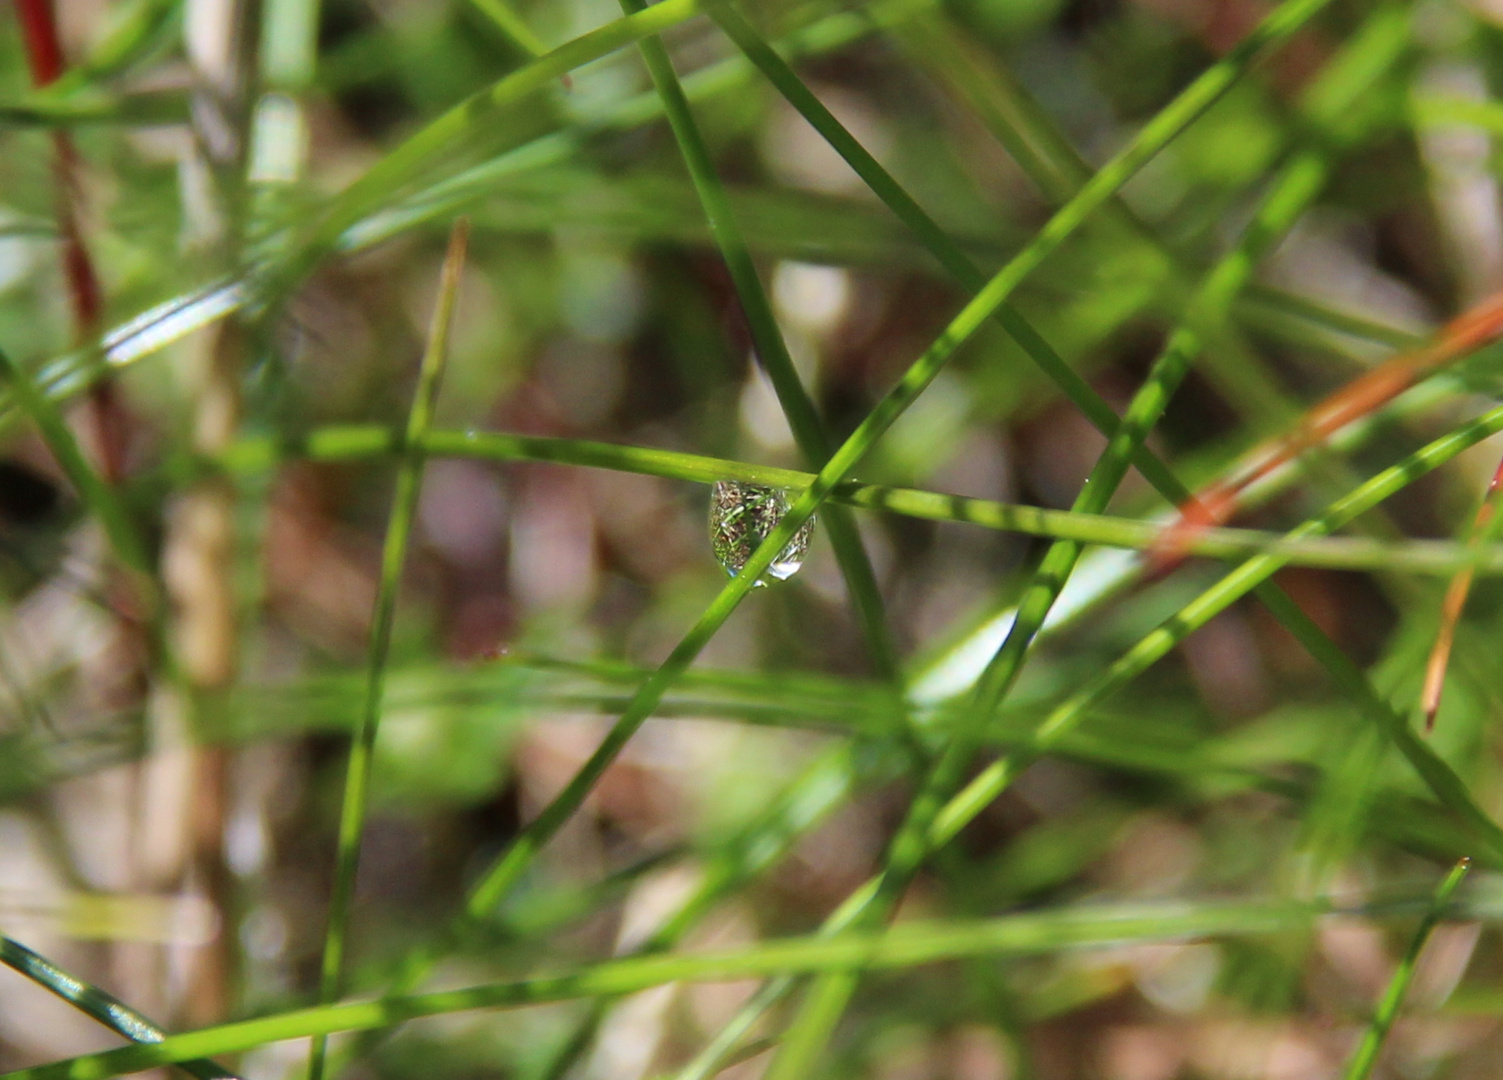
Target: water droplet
point(741, 516)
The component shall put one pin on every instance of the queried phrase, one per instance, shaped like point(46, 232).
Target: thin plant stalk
point(1360, 1067)
point(771, 350)
point(97, 495)
point(255, 454)
point(1293, 190)
point(1204, 91)
point(899, 948)
point(107, 1009)
point(393, 556)
point(1486, 527)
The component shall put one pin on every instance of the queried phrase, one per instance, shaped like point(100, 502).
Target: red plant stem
point(1451, 607)
point(44, 53)
point(1215, 504)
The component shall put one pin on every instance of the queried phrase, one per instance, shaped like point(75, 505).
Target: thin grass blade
point(1361, 1065)
point(393, 557)
point(1485, 528)
point(106, 1008)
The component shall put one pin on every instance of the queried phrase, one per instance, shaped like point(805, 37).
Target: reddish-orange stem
point(1217, 503)
point(1451, 607)
point(44, 53)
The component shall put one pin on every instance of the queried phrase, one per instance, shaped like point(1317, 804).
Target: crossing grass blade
point(255, 455)
point(106, 1008)
point(393, 557)
point(96, 494)
point(771, 350)
point(903, 947)
point(1290, 193)
point(1360, 1066)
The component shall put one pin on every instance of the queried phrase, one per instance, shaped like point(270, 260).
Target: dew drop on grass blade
point(741, 516)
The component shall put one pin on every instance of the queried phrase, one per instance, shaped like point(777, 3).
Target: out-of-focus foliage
point(170, 835)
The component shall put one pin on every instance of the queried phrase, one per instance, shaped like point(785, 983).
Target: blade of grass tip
point(97, 495)
point(1361, 1065)
point(771, 349)
point(1291, 192)
point(393, 556)
point(1485, 528)
point(107, 1009)
point(1156, 134)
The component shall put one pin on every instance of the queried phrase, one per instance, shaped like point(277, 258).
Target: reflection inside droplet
point(741, 517)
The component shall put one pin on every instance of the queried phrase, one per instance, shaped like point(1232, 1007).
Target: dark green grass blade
point(95, 493)
point(107, 1009)
point(803, 419)
point(1153, 137)
point(1290, 193)
point(389, 178)
point(1361, 1065)
point(1438, 776)
point(393, 556)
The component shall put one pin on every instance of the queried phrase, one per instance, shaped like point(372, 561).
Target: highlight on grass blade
point(107, 1009)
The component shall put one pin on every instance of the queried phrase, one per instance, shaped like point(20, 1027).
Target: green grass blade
point(1294, 189)
point(386, 180)
point(902, 947)
point(511, 26)
point(1361, 1065)
point(97, 495)
point(255, 455)
point(393, 556)
point(1154, 136)
point(771, 349)
point(1443, 782)
point(107, 1009)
